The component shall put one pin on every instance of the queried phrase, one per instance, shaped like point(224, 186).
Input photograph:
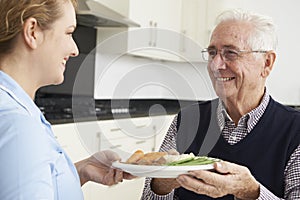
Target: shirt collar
point(252, 117)
point(17, 93)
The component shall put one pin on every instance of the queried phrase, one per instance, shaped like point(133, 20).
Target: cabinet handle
point(140, 142)
point(115, 129)
point(155, 34)
point(150, 23)
point(182, 41)
point(116, 146)
point(151, 33)
point(98, 134)
point(141, 126)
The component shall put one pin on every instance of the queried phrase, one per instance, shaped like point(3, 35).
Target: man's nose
point(217, 63)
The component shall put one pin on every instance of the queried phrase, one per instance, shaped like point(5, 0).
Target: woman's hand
point(97, 168)
point(230, 179)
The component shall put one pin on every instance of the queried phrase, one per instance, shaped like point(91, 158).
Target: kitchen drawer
point(126, 146)
point(139, 128)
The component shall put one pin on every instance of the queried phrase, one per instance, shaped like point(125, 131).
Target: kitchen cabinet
point(161, 130)
point(174, 30)
point(116, 5)
point(68, 138)
point(123, 136)
point(195, 24)
point(169, 29)
point(154, 17)
point(126, 190)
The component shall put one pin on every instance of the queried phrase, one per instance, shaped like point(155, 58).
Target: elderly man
point(256, 137)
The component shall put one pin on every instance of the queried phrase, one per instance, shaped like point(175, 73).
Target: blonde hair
point(13, 13)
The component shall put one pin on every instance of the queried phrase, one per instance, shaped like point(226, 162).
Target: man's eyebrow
point(230, 47)
point(224, 46)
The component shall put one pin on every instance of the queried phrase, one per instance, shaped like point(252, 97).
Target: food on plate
point(181, 158)
point(197, 160)
point(140, 158)
point(135, 157)
point(169, 159)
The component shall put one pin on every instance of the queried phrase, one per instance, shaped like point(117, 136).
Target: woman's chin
point(58, 81)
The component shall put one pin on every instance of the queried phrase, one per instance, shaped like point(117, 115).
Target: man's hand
point(97, 168)
point(163, 186)
point(230, 179)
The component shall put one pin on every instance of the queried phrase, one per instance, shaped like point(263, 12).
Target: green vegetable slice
point(178, 162)
point(198, 160)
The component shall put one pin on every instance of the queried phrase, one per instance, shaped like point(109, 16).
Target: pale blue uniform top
point(32, 163)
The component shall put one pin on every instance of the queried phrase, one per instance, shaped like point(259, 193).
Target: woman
point(35, 44)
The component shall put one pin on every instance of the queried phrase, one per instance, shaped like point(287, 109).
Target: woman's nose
point(75, 51)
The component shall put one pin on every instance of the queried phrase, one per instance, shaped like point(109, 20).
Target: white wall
point(134, 77)
point(284, 82)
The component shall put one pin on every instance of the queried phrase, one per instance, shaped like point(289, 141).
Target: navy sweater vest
point(265, 150)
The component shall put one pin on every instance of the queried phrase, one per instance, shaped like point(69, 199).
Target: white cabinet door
point(70, 141)
point(125, 136)
point(156, 13)
point(194, 28)
point(159, 34)
point(173, 30)
point(161, 129)
point(170, 29)
point(126, 190)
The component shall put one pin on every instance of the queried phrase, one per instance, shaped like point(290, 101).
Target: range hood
point(94, 14)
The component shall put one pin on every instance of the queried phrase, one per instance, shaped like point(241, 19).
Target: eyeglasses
point(226, 54)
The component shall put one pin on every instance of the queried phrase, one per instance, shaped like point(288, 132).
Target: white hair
point(264, 35)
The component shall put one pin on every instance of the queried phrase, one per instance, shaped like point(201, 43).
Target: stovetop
point(65, 109)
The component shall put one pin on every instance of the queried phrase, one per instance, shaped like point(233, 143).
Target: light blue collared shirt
point(32, 163)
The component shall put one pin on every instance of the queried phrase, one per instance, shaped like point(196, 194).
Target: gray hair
point(263, 37)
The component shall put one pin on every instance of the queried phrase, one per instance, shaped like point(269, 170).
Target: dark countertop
point(61, 109)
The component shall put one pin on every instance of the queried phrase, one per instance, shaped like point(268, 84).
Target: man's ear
point(269, 63)
point(31, 32)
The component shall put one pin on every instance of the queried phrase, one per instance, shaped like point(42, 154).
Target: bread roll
point(151, 158)
point(135, 157)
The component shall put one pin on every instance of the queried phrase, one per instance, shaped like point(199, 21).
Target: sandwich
point(168, 158)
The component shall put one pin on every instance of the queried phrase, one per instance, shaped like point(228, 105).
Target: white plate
point(159, 171)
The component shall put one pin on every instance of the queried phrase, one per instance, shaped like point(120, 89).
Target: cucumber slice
point(198, 160)
point(178, 162)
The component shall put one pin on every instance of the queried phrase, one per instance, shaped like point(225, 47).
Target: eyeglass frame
point(237, 52)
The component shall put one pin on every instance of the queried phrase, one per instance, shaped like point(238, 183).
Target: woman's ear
point(270, 58)
point(31, 32)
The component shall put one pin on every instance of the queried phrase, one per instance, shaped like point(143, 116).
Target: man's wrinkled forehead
point(231, 33)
